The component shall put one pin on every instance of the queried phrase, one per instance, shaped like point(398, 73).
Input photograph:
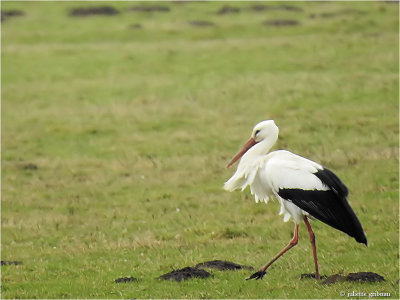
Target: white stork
point(303, 188)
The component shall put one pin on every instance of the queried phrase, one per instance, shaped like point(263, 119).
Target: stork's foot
point(257, 275)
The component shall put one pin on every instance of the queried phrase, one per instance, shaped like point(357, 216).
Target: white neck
point(258, 150)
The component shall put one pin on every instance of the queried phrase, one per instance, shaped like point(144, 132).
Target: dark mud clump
point(125, 279)
point(365, 277)
point(181, 1)
point(184, 274)
point(200, 23)
point(359, 276)
point(10, 262)
point(259, 7)
point(311, 276)
point(228, 10)
point(338, 13)
point(263, 7)
point(29, 166)
point(334, 278)
point(281, 22)
point(5, 14)
point(288, 7)
point(135, 26)
point(150, 8)
point(90, 11)
point(222, 265)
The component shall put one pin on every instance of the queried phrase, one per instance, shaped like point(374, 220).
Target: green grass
point(131, 129)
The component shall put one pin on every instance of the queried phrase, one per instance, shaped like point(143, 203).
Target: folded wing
point(315, 190)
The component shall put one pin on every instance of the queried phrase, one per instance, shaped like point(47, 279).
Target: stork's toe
point(257, 275)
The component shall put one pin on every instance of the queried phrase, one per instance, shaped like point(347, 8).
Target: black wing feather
point(332, 181)
point(330, 206)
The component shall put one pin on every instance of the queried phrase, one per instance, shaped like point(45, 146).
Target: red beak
point(250, 143)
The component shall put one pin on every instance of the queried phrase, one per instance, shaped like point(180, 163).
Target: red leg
point(311, 236)
point(293, 242)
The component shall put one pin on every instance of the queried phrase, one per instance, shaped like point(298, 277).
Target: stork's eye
point(257, 132)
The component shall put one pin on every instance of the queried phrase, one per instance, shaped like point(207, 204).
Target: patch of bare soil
point(365, 277)
point(334, 278)
point(125, 279)
point(311, 276)
point(184, 274)
point(281, 22)
point(180, 1)
point(338, 13)
point(29, 166)
point(150, 8)
point(10, 262)
point(264, 7)
point(90, 11)
point(228, 10)
point(135, 26)
point(222, 265)
point(5, 14)
point(359, 276)
point(200, 23)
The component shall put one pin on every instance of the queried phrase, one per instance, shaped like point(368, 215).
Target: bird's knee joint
point(293, 243)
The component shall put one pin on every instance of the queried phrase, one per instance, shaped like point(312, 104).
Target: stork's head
point(263, 131)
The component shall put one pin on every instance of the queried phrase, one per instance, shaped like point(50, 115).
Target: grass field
point(116, 130)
